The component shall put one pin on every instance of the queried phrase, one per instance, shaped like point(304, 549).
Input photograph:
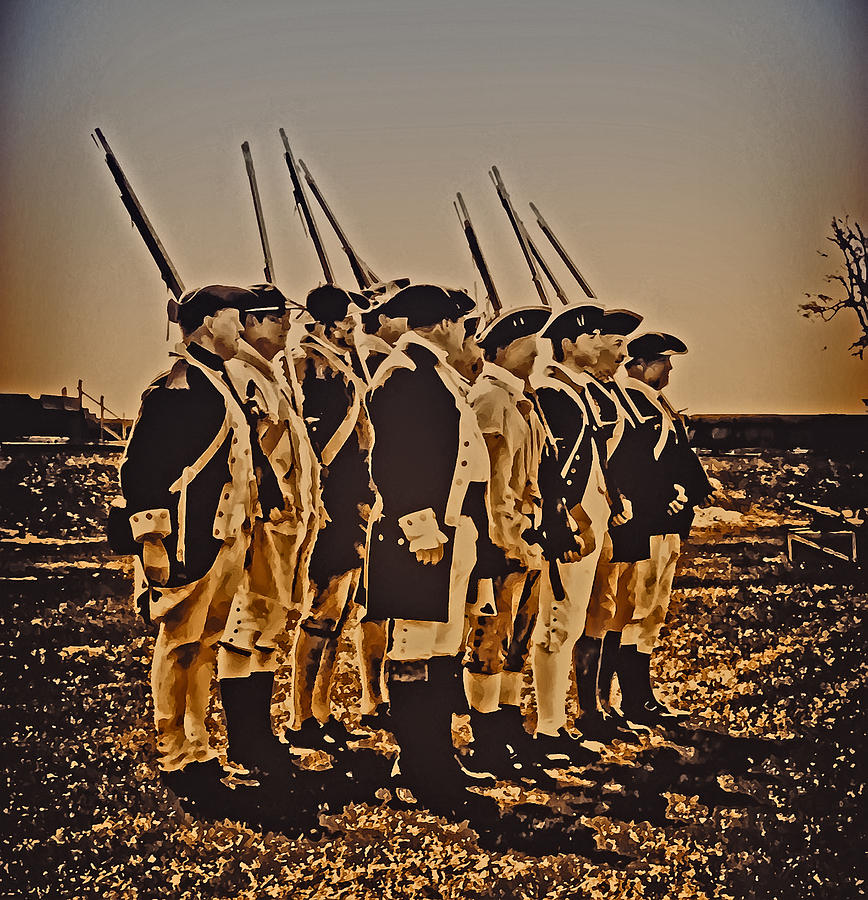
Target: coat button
point(400, 542)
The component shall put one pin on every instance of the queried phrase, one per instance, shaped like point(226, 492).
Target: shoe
point(310, 736)
point(603, 729)
point(379, 720)
point(335, 731)
point(555, 750)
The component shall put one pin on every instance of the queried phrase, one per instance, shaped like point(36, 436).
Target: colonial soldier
point(514, 436)
point(332, 396)
point(679, 485)
point(572, 417)
point(430, 466)
point(288, 487)
point(625, 446)
point(190, 488)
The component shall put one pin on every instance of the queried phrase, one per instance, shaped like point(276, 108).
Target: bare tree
point(850, 240)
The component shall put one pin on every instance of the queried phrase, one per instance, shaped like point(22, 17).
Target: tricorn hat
point(582, 318)
point(267, 300)
point(654, 344)
point(427, 304)
point(620, 321)
point(190, 311)
point(329, 303)
point(511, 325)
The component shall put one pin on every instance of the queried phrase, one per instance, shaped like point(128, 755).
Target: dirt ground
point(759, 794)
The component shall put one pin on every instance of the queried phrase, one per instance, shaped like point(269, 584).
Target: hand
point(623, 517)
point(430, 557)
point(155, 561)
point(680, 501)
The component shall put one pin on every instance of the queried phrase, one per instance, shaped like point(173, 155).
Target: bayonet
point(257, 207)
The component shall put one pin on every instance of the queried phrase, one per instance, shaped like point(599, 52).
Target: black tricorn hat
point(583, 318)
point(267, 300)
point(513, 324)
point(329, 303)
point(620, 321)
point(190, 311)
point(427, 304)
point(654, 344)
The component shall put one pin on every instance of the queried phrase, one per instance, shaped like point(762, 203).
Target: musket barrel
point(137, 213)
point(260, 218)
point(364, 275)
point(477, 255)
point(559, 248)
point(520, 233)
point(301, 201)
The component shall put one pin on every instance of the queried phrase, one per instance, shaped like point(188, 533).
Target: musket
point(168, 272)
point(574, 270)
point(520, 233)
point(548, 272)
point(257, 207)
point(301, 202)
point(476, 253)
point(364, 274)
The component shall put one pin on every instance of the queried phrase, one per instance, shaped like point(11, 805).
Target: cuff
point(150, 524)
point(421, 530)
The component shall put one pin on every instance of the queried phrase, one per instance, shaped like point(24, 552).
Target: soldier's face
point(611, 355)
point(225, 329)
point(584, 351)
point(267, 336)
point(657, 373)
point(518, 357)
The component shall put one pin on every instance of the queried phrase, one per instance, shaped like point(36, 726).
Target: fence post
point(80, 393)
point(101, 416)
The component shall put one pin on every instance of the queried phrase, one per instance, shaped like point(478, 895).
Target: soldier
point(625, 446)
point(288, 487)
point(572, 417)
point(190, 489)
point(679, 484)
point(514, 436)
point(430, 466)
point(332, 395)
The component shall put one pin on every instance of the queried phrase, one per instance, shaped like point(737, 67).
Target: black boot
point(608, 663)
point(247, 708)
point(591, 722)
point(586, 660)
point(491, 751)
point(638, 702)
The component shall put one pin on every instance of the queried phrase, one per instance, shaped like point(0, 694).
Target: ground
point(759, 794)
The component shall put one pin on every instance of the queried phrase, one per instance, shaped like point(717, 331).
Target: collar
point(504, 377)
point(247, 353)
point(410, 337)
point(200, 354)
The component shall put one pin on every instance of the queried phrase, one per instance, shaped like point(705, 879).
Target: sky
point(690, 154)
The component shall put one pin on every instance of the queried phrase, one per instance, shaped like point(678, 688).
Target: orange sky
point(689, 154)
